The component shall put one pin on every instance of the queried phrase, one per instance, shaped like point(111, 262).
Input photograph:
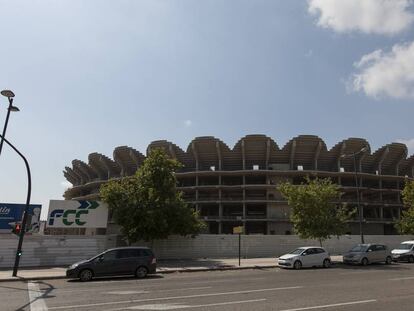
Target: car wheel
point(297, 265)
point(411, 259)
point(326, 263)
point(141, 272)
point(364, 261)
point(388, 260)
point(85, 275)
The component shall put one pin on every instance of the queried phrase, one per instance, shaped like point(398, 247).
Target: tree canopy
point(406, 223)
point(147, 206)
point(315, 213)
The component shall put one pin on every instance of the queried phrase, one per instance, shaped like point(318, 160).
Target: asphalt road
point(376, 287)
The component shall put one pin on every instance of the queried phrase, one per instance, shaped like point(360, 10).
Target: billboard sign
point(77, 214)
point(10, 214)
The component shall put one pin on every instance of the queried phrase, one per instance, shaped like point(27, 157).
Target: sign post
point(239, 231)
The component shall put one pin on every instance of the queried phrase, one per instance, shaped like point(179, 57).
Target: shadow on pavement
point(373, 267)
point(197, 263)
point(45, 294)
point(117, 278)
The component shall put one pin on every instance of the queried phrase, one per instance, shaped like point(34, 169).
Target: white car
point(404, 252)
point(309, 256)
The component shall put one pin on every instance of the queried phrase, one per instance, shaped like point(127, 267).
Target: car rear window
point(146, 252)
point(128, 253)
point(380, 248)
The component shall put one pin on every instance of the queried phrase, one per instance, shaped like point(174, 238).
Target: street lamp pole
point(353, 155)
point(10, 95)
point(358, 200)
point(26, 208)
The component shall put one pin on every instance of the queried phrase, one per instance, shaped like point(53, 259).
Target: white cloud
point(386, 74)
point(367, 16)
point(409, 143)
point(188, 123)
point(65, 184)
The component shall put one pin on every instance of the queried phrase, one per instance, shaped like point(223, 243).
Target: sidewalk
point(164, 266)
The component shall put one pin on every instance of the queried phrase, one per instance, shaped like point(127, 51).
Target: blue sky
point(93, 75)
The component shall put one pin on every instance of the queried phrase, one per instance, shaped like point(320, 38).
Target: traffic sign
point(238, 230)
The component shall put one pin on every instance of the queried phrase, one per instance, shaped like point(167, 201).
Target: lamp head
point(14, 109)
point(7, 93)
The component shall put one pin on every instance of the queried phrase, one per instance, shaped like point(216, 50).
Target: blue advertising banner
point(10, 214)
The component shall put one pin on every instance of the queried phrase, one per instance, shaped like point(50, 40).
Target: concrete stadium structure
point(232, 187)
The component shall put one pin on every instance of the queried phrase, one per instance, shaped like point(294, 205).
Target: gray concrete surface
point(376, 287)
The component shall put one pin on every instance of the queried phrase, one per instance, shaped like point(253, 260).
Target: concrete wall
point(226, 246)
point(52, 250)
point(64, 250)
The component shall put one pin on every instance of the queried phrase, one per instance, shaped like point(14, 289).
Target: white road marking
point(35, 297)
point(333, 305)
point(127, 292)
point(178, 289)
point(130, 292)
point(223, 281)
point(176, 297)
point(358, 272)
point(400, 279)
point(157, 307)
point(178, 306)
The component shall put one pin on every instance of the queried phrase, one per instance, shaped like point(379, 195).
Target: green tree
point(314, 213)
point(147, 206)
point(406, 223)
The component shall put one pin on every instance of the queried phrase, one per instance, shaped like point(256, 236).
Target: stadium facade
point(233, 187)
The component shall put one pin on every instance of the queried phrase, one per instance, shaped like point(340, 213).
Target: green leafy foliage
point(147, 206)
point(314, 213)
point(406, 224)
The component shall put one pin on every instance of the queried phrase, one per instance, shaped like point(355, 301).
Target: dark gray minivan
point(138, 261)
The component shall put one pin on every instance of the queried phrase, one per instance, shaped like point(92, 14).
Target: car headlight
point(73, 266)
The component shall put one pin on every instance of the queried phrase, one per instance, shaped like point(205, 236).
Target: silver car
point(310, 256)
point(365, 254)
point(404, 252)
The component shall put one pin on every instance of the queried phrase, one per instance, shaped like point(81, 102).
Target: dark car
point(138, 261)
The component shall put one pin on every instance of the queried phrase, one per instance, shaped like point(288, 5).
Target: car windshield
point(359, 248)
point(405, 246)
point(297, 251)
point(96, 256)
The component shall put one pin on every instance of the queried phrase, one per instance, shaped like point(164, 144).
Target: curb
point(38, 278)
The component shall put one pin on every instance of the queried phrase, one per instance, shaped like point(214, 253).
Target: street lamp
point(10, 95)
point(26, 208)
point(353, 155)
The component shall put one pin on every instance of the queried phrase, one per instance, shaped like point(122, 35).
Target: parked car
point(309, 256)
point(404, 252)
point(365, 254)
point(138, 261)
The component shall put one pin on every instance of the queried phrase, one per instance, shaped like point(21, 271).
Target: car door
point(371, 254)
point(308, 258)
point(321, 256)
point(381, 251)
point(128, 260)
point(105, 265)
